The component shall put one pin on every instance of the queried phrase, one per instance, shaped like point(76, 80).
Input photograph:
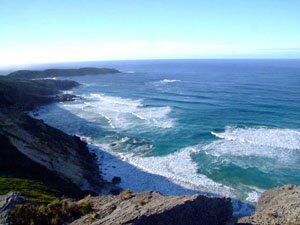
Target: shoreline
point(111, 165)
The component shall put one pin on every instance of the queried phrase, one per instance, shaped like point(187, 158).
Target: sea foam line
point(262, 136)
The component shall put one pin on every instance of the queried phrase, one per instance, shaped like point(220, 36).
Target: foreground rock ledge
point(280, 205)
point(151, 208)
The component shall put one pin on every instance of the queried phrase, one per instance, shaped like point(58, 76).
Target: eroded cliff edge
point(22, 136)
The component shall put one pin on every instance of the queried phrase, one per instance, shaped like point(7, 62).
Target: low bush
point(56, 212)
point(127, 194)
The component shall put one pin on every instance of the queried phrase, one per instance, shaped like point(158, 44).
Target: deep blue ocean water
point(230, 127)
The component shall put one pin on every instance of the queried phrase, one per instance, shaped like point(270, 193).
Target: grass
point(33, 190)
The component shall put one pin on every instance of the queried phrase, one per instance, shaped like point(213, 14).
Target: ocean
point(224, 127)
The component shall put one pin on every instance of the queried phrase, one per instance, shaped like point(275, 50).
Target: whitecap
point(165, 81)
point(122, 113)
point(262, 136)
point(266, 149)
point(130, 71)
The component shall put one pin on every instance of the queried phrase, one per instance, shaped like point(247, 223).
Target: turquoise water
point(229, 127)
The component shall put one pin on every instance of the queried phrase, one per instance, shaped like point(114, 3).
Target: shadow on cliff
point(111, 165)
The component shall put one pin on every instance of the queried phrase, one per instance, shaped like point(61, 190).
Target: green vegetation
point(33, 190)
point(127, 194)
point(31, 74)
point(85, 205)
point(55, 213)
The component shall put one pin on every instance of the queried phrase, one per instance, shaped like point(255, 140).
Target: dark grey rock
point(116, 180)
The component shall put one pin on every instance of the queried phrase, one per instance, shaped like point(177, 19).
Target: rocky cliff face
point(280, 205)
point(152, 208)
point(66, 156)
point(63, 155)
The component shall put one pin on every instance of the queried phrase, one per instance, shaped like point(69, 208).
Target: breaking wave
point(121, 113)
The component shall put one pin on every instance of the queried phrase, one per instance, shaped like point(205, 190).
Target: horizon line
point(150, 59)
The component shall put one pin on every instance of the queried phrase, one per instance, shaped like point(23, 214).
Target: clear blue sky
point(76, 30)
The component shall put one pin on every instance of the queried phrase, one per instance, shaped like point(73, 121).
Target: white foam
point(174, 174)
point(265, 149)
point(67, 92)
point(261, 136)
point(180, 169)
point(45, 78)
point(169, 81)
point(121, 113)
point(241, 149)
point(253, 196)
point(130, 71)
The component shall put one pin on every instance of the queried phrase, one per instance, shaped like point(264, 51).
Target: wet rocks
point(66, 98)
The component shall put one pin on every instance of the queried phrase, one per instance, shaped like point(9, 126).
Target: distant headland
point(35, 74)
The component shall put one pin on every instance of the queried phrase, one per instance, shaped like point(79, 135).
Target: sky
point(41, 31)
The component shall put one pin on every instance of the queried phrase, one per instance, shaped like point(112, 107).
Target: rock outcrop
point(65, 98)
point(152, 208)
point(7, 203)
point(280, 205)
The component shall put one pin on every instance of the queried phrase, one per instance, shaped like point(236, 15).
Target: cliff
point(64, 159)
point(34, 74)
point(66, 156)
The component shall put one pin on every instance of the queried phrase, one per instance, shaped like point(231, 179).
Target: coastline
point(109, 165)
point(112, 165)
point(139, 180)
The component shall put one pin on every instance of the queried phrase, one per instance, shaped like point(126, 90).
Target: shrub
point(86, 205)
point(55, 213)
point(127, 194)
